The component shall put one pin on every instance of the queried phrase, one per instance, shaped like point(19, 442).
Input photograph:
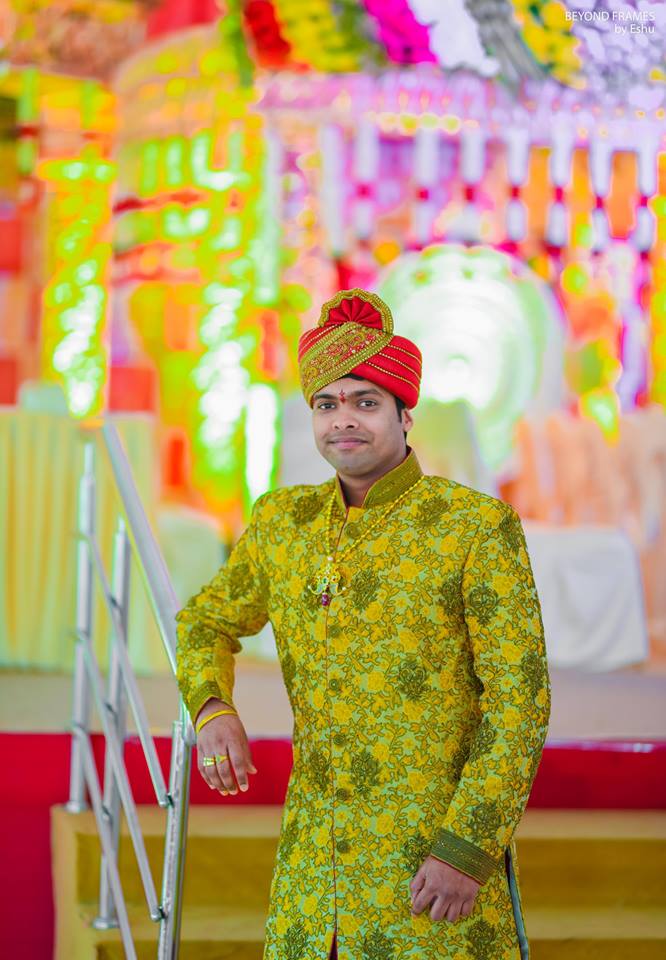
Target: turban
point(355, 335)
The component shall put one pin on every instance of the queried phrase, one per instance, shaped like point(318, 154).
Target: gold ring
point(209, 761)
point(219, 758)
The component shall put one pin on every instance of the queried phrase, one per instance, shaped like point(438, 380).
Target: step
point(592, 883)
point(587, 858)
point(208, 933)
point(240, 840)
point(575, 933)
point(554, 934)
point(603, 858)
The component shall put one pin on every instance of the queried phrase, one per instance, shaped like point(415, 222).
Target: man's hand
point(224, 735)
point(451, 892)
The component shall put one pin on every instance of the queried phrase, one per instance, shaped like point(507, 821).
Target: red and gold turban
point(355, 335)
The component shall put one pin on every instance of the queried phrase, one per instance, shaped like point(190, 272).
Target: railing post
point(84, 620)
point(175, 840)
point(116, 706)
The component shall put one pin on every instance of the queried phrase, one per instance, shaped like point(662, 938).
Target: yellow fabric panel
point(41, 459)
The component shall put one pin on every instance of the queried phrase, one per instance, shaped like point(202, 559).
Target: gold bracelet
point(212, 717)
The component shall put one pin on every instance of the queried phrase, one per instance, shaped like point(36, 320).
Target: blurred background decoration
point(183, 182)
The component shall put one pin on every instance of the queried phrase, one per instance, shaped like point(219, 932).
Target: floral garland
point(406, 40)
point(75, 37)
point(271, 48)
point(549, 35)
point(332, 36)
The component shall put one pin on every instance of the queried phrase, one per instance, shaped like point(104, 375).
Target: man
point(411, 643)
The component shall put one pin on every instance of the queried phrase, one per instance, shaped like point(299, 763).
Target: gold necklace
point(328, 580)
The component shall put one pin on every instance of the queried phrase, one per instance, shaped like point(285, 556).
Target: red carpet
point(573, 775)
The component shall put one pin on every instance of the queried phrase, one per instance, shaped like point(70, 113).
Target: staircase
point(593, 883)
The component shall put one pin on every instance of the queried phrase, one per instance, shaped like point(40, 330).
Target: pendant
point(328, 582)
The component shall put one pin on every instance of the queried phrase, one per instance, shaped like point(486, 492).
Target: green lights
point(574, 278)
point(603, 407)
point(101, 171)
point(75, 298)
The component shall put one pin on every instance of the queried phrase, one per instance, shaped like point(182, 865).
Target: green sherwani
point(421, 700)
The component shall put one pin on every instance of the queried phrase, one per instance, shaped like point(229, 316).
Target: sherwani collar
point(389, 486)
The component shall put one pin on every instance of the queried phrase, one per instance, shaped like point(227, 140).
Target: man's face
point(356, 426)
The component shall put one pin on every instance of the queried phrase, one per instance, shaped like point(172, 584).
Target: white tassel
point(648, 149)
point(426, 156)
point(600, 159)
point(516, 220)
point(643, 235)
point(366, 152)
point(600, 230)
point(517, 140)
point(557, 225)
point(472, 154)
point(560, 154)
point(469, 224)
point(366, 170)
point(332, 178)
point(426, 162)
point(364, 217)
point(422, 220)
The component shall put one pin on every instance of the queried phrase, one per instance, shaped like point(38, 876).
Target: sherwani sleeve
point(232, 605)
point(505, 628)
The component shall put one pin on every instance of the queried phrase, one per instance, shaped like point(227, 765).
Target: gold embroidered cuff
point(201, 695)
point(464, 856)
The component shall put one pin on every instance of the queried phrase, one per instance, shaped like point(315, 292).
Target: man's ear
point(407, 419)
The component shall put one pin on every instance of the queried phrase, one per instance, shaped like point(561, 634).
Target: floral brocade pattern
point(341, 347)
point(421, 700)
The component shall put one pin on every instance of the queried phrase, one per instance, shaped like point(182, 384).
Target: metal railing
point(133, 540)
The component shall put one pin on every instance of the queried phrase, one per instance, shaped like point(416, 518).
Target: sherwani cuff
point(203, 693)
point(464, 856)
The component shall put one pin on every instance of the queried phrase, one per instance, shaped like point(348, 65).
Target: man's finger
point(417, 882)
point(239, 764)
point(452, 911)
point(202, 770)
point(221, 770)
point(440, 905)
point(214, 744)
point(209, 771)
point(224, 773)
point(422, 898)
point(467, 907)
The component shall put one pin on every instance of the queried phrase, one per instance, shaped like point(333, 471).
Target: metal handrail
point(134, 538)
point(152, 567)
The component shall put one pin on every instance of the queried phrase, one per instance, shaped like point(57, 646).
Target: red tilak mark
point(342, 396)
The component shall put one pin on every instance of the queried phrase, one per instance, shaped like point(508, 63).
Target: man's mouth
point(347, 442)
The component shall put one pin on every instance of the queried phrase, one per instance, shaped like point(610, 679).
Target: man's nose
point(345, 418)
